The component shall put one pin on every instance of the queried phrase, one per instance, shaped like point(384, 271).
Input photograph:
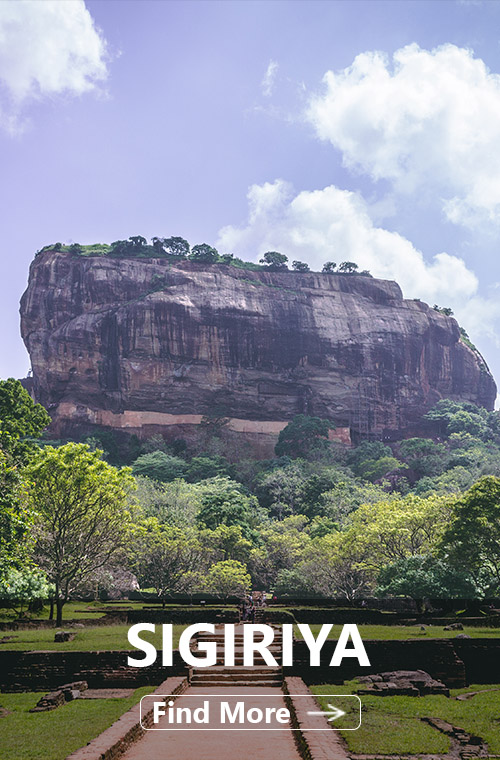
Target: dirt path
point(219, 745)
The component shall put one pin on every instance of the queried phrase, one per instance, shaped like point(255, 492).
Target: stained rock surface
point(152, 345)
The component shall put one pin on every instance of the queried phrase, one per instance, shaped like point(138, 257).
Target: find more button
point(247, 712)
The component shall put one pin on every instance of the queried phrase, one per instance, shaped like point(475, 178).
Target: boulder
point(153, 345)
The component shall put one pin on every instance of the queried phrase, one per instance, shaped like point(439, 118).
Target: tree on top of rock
point(275, 261)
point(329, 267)
point(176, 246)
point(204, 252)
point(348, 267)
point(300, 266)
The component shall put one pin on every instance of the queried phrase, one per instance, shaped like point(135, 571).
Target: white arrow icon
point(333, 712)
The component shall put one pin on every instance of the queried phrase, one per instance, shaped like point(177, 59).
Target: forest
point(418, 518)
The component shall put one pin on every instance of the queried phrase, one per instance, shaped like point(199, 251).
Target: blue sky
point(366, 131)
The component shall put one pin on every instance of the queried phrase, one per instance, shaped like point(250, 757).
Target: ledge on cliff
point(148, 345)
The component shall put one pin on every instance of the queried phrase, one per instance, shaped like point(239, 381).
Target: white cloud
point(47, 48)
point(427, 121)
point(335, 225)
point(269, 78)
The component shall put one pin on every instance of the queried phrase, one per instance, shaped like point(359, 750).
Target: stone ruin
point(66, 693)
point(407, 683)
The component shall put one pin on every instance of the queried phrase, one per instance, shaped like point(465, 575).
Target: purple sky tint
point(169, 139)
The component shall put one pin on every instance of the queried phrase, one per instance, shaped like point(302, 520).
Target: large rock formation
point(149, 346)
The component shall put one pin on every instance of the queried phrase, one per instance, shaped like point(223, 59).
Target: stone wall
point(456, 662)
point(43, 671)
point(481, 658)
point(435, 656)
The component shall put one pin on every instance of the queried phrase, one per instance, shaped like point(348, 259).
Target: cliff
point(149, 345)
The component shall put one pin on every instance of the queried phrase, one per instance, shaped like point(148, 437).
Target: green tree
point(329, 267)
point(204, 252)
point(204, 467)
point(367, 451)
point(158, 245)
point(291, 583)
point(397, 528)
point(81, 514)
point(423, 456)
point(176, 246)
point(228, 578)
point(20, 587)
point(274, 261)
point(222, 502)
point(348, 267)
point(283, 547)
point(303, 436)
point(333, 567)
point(300, 266)
point(443, 310)
point(226, 542)
point(425, 577)
point(159, 466)
point(15, 518)
point(20, 418)
point(281, 489)
point(137, 243)
point(164, 557)
point(472, 538)
point(375, 469)
point(175, 503)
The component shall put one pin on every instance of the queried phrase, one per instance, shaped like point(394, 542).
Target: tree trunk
point(59, 607)
point(51, 612)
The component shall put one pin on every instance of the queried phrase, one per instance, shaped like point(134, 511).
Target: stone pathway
point(219, 745)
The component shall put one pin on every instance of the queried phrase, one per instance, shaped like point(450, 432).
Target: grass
point(399, 632)
point(393, 725)
point(54, 735)
point(102, 638)
point(88, 610)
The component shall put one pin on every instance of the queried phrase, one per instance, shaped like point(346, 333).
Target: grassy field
point(77, 610)
point(393, 632)
point(54, 735)
point(393, 725)
point(114, 637)
point(103, 638)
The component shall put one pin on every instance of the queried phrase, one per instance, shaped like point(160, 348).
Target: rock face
point(148, 345)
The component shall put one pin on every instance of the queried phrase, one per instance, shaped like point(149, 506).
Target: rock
point(108, 347)
point(49, 702)
point(71, 694)
point(454, 627)
point(80, 685)
point(61, 636)
point(412, 683)
point(462, 636)
point(66, 693)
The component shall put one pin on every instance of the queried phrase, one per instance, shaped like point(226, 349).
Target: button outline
point(257, 728)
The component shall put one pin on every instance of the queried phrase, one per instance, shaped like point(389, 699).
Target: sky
point(361, 131)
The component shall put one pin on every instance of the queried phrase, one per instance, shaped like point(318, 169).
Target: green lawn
point(393, 725)
point(89, 610)
point(114, 637)
point(54, 735)
point(109, 637)
point(394, 632)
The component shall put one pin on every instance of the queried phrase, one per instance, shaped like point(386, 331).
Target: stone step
point(247, 670)
point(232, 680)
point(241, 677)
point(236, 684)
